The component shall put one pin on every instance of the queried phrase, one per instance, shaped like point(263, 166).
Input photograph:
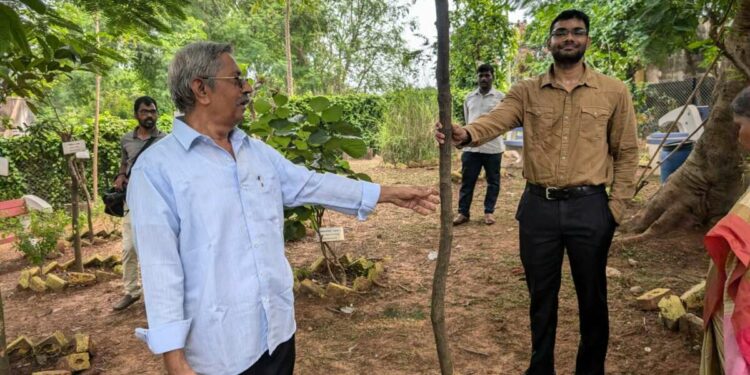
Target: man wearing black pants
point(579, 136)
point(487, 156)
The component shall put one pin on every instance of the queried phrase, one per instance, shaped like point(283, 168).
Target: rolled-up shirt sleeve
point(300, 186)
point(155, 225)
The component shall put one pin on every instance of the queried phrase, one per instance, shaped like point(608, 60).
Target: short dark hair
point(147, 100)
point(741, 103)
point(569, 15)
point(486, 68)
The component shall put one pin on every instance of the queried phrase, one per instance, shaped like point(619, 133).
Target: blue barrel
point(704, 111)
point(674, 161)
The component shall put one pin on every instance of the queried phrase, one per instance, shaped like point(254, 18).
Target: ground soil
point(389, 331)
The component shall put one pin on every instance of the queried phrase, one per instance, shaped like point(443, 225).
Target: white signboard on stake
point(83, 155)
point(332, 234)
point(73, 147)
point(3, 166)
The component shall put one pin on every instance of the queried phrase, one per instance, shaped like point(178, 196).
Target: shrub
point(407, 132)
point(40, 238)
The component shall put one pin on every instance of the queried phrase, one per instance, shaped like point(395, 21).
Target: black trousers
point(281, 362)
point(471, 165)
point(584, 226)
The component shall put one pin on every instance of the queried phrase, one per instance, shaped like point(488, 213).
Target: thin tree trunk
point(4, 363)
point(78, 266)
point(97, 101)
point(446, 192)
point(706, 186)
point(82, 178)
point(288, 44)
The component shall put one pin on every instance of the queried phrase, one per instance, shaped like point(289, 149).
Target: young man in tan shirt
point(579, 136)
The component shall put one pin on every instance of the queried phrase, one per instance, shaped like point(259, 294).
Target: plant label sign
point(3, 166)
point(332, 234)
point(73, 147)
point(83, 155)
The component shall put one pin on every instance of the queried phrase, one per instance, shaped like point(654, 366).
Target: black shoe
point(124, 302)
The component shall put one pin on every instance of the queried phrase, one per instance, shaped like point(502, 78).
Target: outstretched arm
point(420, 199)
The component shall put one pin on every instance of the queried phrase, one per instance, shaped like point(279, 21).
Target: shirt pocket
point(593, 126)
point(539, 122)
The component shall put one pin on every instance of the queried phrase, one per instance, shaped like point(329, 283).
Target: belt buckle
point(547, 191)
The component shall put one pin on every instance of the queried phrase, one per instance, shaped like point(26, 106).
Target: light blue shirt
point(209, 234)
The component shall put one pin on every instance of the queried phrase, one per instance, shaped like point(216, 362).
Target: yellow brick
point(309, 287)
point(24, 280)
point(52, 345)
point(19, 348)
point(55, 283)
point(51, 266)
point(81, 278)
point(104, 276)
point(693, 298)
point(361, 283)
point(52, 372)
point(670, 311)
point(334, 290)
point(78, 361)
point(317, 265)
point(33, 271)
point(82, 343)
point(650, 300)
point(117, 269)
point(37, 284)
point(67, 264)
point(112, 260)
point(376, 272)
point(95, 260)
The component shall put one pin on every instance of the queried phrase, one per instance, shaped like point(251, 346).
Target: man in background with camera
point(132, 144)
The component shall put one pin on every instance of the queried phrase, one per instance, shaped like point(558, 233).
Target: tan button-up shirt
point(585, 137)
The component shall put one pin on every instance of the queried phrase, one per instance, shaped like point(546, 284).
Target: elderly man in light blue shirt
point(207, 205)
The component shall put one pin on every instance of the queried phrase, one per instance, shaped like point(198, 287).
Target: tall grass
point(406, 135)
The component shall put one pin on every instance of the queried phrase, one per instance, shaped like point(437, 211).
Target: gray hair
point(741, 103)
point(199, 59)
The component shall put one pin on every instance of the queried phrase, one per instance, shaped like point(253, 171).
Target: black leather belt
point(554, 193)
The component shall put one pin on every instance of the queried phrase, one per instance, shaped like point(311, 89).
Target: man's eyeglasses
point(238, 81)
point(564, 32)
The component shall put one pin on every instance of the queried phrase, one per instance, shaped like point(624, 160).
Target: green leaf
point(313, 118)
point(344, 128)
point(293, 230)
point(282, 112)
point(66, 52)
point(319, 103)
point(280, 99)
point(353, 146)
point(261, 106)
point(333, 113)
point(362, 176)
point(319, 137)
point(36, 5)
point(279, 123)
point(9, 17)
point(300, 144)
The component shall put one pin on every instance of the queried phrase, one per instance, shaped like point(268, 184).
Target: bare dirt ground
point(389, 331)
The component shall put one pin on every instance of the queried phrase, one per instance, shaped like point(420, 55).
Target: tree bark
point(4, 363)
point(97, 101)
point(78, 265)
point(446, 192)
point(706, 186)
point(288, 45)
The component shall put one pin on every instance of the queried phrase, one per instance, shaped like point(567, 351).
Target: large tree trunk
point(437, 314)
point(709, 182)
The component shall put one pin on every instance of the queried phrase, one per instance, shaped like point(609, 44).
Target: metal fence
point(663, 97)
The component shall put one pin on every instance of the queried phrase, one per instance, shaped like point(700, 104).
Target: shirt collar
point(154, 132)
point(492, 92)
point(187, 135)
point(589, 77)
